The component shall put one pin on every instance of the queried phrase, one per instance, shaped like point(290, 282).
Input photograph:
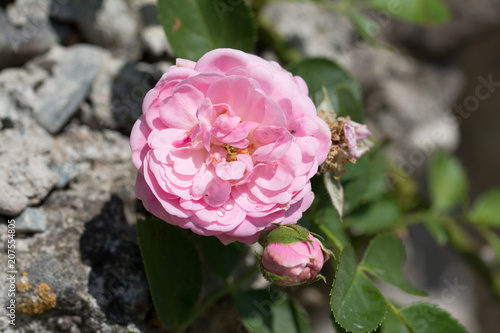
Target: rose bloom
point(226, 146)
point(295, 263)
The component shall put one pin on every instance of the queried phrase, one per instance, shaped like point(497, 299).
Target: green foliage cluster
point(359, 217)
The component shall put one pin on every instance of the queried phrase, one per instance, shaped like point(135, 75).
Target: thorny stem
point(228, 288)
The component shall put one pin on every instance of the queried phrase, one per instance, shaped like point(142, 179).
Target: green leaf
point(365, 181)
point(336, 192)
point(447, 181)
point(428, 318)
point(222, 259)
point(392, 324)
point(357, 304)
point(173, 269)
point(374, 217)
point(318, 72)
point(349, 104)
point(197, 26)
point(384, 259)
point(486, 209)
point(416, 11)
point(270, 311)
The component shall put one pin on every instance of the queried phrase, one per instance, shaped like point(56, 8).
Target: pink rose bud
point(292, 256)
point(354, 134)
point(226, 146)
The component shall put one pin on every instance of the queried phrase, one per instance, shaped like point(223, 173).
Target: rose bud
point(292, 256)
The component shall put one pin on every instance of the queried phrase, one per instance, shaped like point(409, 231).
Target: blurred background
point(73, 74)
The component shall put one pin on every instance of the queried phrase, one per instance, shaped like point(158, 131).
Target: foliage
point(359, 216)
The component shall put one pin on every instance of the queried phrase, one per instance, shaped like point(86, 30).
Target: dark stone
point(117, 280)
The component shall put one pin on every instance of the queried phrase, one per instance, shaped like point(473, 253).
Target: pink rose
point(226, 146)
point(292, 256)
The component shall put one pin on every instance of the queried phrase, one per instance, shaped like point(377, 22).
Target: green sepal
point(288, 234)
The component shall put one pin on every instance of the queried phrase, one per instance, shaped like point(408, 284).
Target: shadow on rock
point(117, 279)
point(130, 86)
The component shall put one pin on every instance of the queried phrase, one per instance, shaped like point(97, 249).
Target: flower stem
point(331, 237)
point(228, 288)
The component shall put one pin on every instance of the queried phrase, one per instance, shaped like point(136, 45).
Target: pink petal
point(217, 192)
point(274, 114)
point(275, 150)
point(188, 161)
point(179, 62)
point(201, 181)
point(241, 94)
point(202, 81)
point(139, 142)
point(265, 78)
point(277, 257)
point(179, 109)
point(166, 199)
point(230, 171)
point(221, 60)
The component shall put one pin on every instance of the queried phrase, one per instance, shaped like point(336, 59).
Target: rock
point(73, 71)
point(25, 176)
point(112, 25)
point(32, 220)
point(25, 32)
point(153, 36)
point(309, 28)
point(66, 172)
point(116, 95)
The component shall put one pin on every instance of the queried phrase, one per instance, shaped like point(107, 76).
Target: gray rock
point(312, 30)
point(25, 177)
point(111, 24)
point(74, 69)
point(32, 220)
point(117, 93)
point(66, 172)
point(25, 32)
point(153, 36)
point(89, 255)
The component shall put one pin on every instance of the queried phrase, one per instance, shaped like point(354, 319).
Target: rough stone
point(117, 93)
point(66, 172)
point(31, 220)
point(73, 71)
point(25, 32)
point(113, 25)
point(153, 36)
point(88, 256)
point(25, 176)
